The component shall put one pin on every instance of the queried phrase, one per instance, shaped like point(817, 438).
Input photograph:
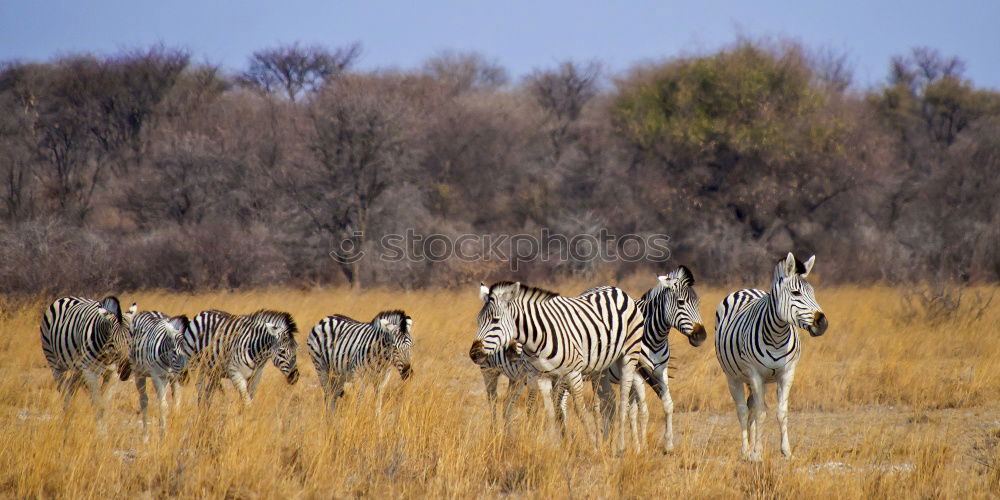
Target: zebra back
point(586, 333)
point(80, 333)
point(156, 344)
point(339, 345)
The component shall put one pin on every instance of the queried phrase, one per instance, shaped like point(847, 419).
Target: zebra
point(569, 338)
point(156, 353)
point(83, 341)
point(671, 303)
point(198, 336)
point(757, 343)
point(520, 375)
point(240, 348)
point(343, 348)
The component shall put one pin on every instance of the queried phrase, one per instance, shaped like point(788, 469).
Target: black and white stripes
point(343, 349)
point(757, 343)
point(569, 338)
point(83, 341)
point(156, 353)
point(241, 346)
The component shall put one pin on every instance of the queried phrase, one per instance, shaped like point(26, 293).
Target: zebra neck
point(775, 332)
point(657, 326)
point(527, 333)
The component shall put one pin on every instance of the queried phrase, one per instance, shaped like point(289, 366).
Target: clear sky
point(520, 35)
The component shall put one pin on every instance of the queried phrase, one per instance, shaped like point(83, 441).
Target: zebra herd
point(540, 340)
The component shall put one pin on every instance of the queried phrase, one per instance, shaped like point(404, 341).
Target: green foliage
point(749, 100)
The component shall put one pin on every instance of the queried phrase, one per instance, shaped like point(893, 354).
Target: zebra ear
point(685, 274)
point(809, 266)
point(409, 323)
point(179, 323)
point(790, 265)
point(111, 304)
point(385, 324)
point(665, 280)
point(484, 292)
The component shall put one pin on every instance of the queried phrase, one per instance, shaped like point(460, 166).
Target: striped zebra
point(671, 303)
point(83, 341)
point(156, 353)
point(241, 347)
point(757, 343)
point(343, 349)
point(570, 338)
point(198, 336)
point(520, 375)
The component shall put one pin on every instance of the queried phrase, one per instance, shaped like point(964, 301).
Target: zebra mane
point(523, 290)
point(284, 317)
point(396, 316)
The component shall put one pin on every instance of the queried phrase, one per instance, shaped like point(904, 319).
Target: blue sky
point(520, 35)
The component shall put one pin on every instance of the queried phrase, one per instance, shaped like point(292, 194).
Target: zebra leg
point(532, 396)
point(379, 390)
point(545, 390)
point(175, 392)
point(738, 391)
point(604, 403)
point(336, 389)
point(160, 386)
point(140, 385)
point(660, 379)
point(255, 381)
point(574, 381)
point(514, 388)
point(241, 386)
point(639, 406)
point(96, 395)
point(757, 411)
point(784, 387)
point(490, 378)
point(628, 375)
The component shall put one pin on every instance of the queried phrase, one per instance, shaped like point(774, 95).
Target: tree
point(563, 93)
point(358, 146)
point(295, 70)
point(466, 71)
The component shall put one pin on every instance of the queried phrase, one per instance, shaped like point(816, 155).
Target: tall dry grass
point(884, 405)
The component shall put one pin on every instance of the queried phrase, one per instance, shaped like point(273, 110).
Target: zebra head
point(496, 330)
point(282, 326)
point(681, 306)
point(176, 327)
point(121, 332)
point(793, 295)
point(397, 329)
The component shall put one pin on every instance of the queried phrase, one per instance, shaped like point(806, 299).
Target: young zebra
point(240, 348)
point(519, 375)
point(757, 343)
point(343, 349)
point(156, 353)
point(672, 303)
point(83, 340)
point(570, 338)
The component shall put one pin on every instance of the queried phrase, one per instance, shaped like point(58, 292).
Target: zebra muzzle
point(292, 377)
point(819, 326)
point(698, 335)
point(477, 353)
point(406, 372)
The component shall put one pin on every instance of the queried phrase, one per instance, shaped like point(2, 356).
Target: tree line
point(145, 169)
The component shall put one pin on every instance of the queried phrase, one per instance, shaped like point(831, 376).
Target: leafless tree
point(466, 71)
point(295, 69)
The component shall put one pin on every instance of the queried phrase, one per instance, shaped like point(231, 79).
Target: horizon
point(520, 37)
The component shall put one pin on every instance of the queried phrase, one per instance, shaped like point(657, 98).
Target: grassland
point(900, 398)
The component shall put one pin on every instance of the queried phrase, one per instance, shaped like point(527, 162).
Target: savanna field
point(900, 398)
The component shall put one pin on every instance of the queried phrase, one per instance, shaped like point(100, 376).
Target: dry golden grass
point(883, 406)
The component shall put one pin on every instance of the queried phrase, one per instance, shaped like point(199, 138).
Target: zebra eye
point(680, 302)
point(796, 293)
